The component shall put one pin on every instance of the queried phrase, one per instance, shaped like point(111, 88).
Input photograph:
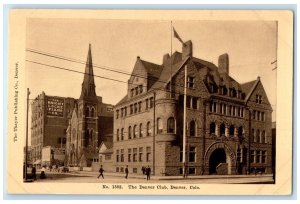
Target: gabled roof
point(246, 87)
point(166, 74)
point(152, 69)
point(249, 87)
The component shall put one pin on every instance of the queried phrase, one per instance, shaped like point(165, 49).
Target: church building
point(90, 124)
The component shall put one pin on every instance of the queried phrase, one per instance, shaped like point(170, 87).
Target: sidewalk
point(174, 177)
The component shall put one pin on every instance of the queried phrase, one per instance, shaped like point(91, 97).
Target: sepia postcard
point(150, 102)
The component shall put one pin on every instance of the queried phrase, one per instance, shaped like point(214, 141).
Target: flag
point(177, 36)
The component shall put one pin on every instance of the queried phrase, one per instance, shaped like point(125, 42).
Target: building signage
point(55, 106)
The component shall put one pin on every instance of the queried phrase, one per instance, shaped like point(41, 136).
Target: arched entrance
point(219, 159)
point(216, 158)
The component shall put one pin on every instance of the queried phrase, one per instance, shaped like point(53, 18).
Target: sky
point(251, 45)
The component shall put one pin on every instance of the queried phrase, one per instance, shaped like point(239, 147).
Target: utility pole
point(26, 147)
point(184, 124)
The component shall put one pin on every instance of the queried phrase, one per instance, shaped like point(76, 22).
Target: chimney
point(224, 64)
point(166, 58)
point(187, 49)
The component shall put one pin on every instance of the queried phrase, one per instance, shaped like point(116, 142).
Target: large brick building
point(49, 121)
point(228, 123)
point(77, 125)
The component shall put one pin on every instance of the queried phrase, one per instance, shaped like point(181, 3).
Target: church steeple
point(88, 84)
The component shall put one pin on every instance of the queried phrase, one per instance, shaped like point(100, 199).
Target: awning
point(37, 161)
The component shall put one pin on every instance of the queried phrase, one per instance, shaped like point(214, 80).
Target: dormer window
point(132, 92)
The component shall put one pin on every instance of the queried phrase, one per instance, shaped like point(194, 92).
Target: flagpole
point(171, 61)
point(184, 124)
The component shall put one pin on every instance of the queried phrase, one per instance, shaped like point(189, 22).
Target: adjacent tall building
point(77, 125)
point(228, 123)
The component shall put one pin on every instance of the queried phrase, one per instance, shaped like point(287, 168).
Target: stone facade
point(90, 124)
point(228, 124)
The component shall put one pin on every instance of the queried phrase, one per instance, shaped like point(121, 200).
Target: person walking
point(143, 170)
point(33, 173)
point(101, 172)
point(126, 172)
point(148, 172)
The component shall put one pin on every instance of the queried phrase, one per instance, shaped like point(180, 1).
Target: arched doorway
point(218, 156)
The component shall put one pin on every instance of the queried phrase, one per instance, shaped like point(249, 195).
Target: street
point(91, 177)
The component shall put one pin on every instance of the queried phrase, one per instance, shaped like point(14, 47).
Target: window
point(140, 154)
point(147, 104)
point(258, 99)
point(258, 156)
point(117, 114)
point(190, 82)
point(231, 130)
point(252, 156)
point(151, 102)
point(213, 107)
point(253, 135)
point(192, 154)
point(149, 129)
point(141, 88)
point(263, 157)
point(117, 155)
point(117, 169)
point(192, 128)
point(233, 111)
point(171, 125)
point(230, 110)
point(87, 112)
point(134, 154)
point(132, 92)
point(129, 155)
point(159, 126)
point(148, 155)
point(129, 132)
point(257, 136)
point(212, 128)
point(135, 108)
point(242, 112)
point(135, 131)
point(131, 109)
point(222, 129)
point(188, 102)
point(194, 103)
point(221, 108)
point(122, 155)
point(136, 90)
point(262, 116)
point(140, 106)
point(118, 136)
point(125, 111)
point(254, 114)
point(122, 134)
point(263, 137)
point(92, 112)
point(241, 131)
point(141, 130)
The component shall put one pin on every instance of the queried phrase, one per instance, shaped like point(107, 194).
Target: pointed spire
point(88, 85)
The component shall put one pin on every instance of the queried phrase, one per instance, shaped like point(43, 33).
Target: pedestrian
point(33, 173)
point(101, 172)
point(255, 171)
point(148, 172)
point(43, 174)
point(143, 170)
point(126, 172)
